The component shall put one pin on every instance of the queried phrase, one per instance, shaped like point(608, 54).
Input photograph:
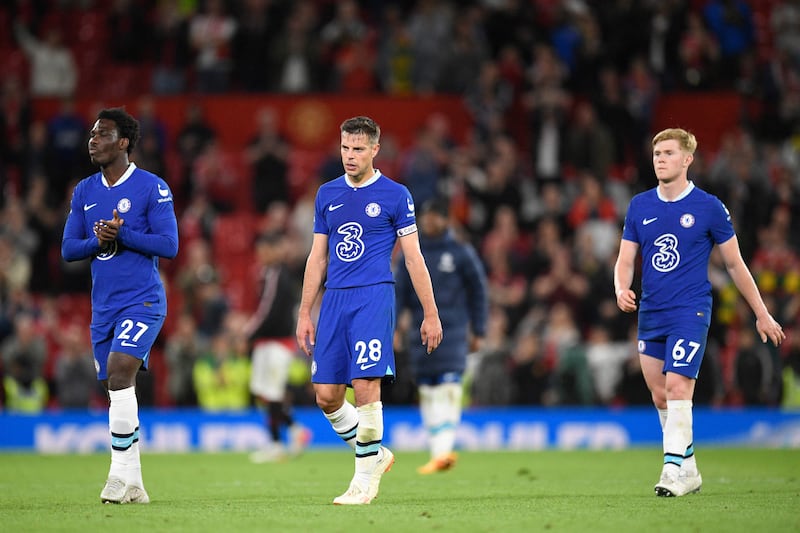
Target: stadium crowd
point(543, 203)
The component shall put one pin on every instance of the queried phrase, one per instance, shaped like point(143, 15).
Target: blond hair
point(686, 140)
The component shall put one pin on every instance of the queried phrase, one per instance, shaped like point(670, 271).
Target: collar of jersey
point(123, 178)
point(370, 181)
point(681, 196)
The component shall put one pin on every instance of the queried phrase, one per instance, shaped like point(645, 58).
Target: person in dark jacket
point(460, 286)
point(271, 331)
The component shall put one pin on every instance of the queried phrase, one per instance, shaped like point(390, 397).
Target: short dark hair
point(127, 126)
point(438, 205)
point(362, 126)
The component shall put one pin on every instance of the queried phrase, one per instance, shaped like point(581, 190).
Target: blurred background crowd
point(561, 97)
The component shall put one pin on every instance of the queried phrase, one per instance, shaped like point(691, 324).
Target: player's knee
point(328, 403)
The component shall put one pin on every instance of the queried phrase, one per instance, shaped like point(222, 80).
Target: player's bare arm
point(767, 327)
point(316, 265)
point(431, 327)
point(623, 275)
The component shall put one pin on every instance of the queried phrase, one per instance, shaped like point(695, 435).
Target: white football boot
point(383, 465)
point(113, 491)
point(354, 496)
point(134, 494)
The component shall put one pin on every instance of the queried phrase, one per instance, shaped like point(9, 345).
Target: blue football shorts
point(355, 333)
point(133, 333)
point(678, 339)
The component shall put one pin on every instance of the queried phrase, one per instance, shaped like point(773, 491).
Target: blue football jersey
point(675, 240)
point(127, 273)
point(362, 225)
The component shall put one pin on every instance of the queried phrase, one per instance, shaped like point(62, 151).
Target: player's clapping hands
point(106, 231)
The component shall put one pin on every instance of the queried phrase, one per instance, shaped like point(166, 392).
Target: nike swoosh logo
point(680, 364)
point(334, 207)
point(127, 344)
point(649, 220)
point(86, 207)
point(365, 366)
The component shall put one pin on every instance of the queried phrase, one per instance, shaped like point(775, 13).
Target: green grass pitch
point(743, 490)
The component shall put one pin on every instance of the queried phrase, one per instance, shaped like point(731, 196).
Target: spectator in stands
point(342, 32)
point(75, 377)
point(15, 228)
point(487, 376)
point(267, 153)
point(506, 237)
point(425, 161)
point(731, 22)
point(562, 282)
point(785, 25)
point(790, 397)
point(429, 25)
point(776, 266)
point(256, 25)
point(295, 53)
point(561, 340)
point(44, 220)
point(222, 375)
point(218, 173)
point(15, 121)
point(592, 203)
point(171, 53)
point(203, 297)
point(699, 54)
point(192, 140)
point(198, 219)
point(150, 152)
point(606, 360)
point(757, 371)
point(488, 98)
point(642, 90)
point(130, 31)
point(395, 61)
point(530, 372)
point(465, 59)
point(632, 390)
point(15, 266)
point(184, 346)
point(24, 354)
point(53, 72)
point(611, 105)
point(589, 143)
point(211, 33)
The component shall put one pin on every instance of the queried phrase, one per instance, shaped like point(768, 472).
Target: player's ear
point(123, 143)
point(689, 159)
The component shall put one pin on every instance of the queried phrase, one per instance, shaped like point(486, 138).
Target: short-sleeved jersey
point(362, 225)
point(123, 277)
point(675, 240)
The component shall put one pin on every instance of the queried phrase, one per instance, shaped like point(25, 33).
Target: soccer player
point(124, 220)
point(271, 331)
point(461, 292)
point(359, 217)
point(676, 225)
